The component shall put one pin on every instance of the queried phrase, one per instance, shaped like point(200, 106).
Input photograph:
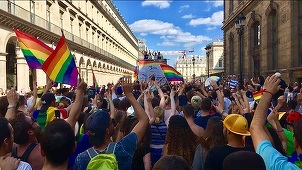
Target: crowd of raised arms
point(154, 125)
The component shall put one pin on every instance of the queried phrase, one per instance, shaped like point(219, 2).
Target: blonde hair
point(159, 114)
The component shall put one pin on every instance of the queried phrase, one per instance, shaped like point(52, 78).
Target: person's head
point(167, 99)
point(213, 134)
point(119, 91)
point(196, 102)
point(99, 126)
point(298, 134)
point(159, 114)
point(190, 94)
point(6, 136)
point(243, 160)
point(180, 135)
point(124, 104)
point(235, 126)
point(226, 93)
point(291, 119)
point(47, 100)
point(188, 111)
point(57, 142)
point(25, 129)
point(171, 162)
point(261, 79)
point(206, 104)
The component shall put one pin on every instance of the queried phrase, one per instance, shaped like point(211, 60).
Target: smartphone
point(91, 93)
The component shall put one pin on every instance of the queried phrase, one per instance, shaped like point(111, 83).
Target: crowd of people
point(151, 125)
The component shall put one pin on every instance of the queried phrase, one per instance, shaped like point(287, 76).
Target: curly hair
point(21, 127)
point(213, 135)
point(159, 114)
point(180, 138)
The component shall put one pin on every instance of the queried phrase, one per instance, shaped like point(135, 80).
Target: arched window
point(256, 34)
point(273, 39)
point(231, 53)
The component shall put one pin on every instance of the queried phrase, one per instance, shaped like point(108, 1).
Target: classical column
point(90, 77)
point(3, 71)
point(22, 72)
point(41, 77)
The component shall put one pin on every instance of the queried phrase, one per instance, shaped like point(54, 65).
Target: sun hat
point(237, 124)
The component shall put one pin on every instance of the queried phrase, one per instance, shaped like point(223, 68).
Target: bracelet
point(264, 90)
point(11, 106)
point(280, 130)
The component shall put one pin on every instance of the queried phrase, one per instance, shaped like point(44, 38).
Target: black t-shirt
point(217, 154)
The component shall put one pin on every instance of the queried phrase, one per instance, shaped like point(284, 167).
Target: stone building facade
point(216, 59)
point(96, 33)
point(191, 66)
point(272, 38)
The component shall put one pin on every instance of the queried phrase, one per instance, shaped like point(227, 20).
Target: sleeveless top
point(26, 154)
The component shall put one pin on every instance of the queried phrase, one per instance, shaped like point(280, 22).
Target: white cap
point(277, 74)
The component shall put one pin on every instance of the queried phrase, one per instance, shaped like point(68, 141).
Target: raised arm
point(31, 107)
point(13, 98)
point(111, 105)
point(141, 126)
point(218, 93)
point(257, 128)
point(77, 104)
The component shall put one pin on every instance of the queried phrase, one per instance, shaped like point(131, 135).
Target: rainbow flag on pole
point(170, 73)
point(60, 65)
point(257, 96)
point(34, 50)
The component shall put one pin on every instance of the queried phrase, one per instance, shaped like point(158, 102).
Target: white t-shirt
point(23, 166)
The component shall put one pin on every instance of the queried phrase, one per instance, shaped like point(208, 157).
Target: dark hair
point(297, 132)
point(226, 93)
point(21, 127)
point(213, 134)
point(3, 105)
point(155, 101)
point(261, 79)
point(292, 104)
point(206, 104)
point(57, 141)
point(5, 131)
point(124, 104)
point(244, 160)
point(188, 110)
point(171, 162)
point(190, 94)
point(276, 141)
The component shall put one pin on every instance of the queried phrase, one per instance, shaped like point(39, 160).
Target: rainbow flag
point(60, 65)
point(135, 74)
point(257, 96)
point(34, 50)
point(170, 73)
point(149, 62)
point(95, 83)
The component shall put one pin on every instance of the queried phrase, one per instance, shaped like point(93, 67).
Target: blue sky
point(172, 26)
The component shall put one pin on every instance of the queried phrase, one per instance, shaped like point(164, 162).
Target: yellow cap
point(236, 124)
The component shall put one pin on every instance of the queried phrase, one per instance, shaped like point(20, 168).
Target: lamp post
point(239, 25)
point(193, 61)
point(208, 47)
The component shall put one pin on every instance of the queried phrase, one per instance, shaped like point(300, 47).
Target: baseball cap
point(236, 124)
point(196, 102)
point(293, 117)
point(97, 123)
point(46, 100)
point(119, 90)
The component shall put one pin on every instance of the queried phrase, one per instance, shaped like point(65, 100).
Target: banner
point(147, 68)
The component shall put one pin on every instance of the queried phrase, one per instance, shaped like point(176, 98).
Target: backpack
point(102, 160)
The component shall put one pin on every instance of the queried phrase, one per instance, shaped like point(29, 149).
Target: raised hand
point(127, 85)
point(12, 97)
point(271, 84)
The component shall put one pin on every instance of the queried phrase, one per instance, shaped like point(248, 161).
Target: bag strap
point(111, 148)
point(29, 149)
point(91, 152)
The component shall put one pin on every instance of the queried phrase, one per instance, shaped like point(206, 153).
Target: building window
point(92, 38)
point(61, 19)
point(220, 63)
point(80, 30)
point(257, 34)
point(274, 39)
point(300, 32)
point(32, 11)
point(87, 34)
point(231, 53)
point(231, 8)
point(11, 6)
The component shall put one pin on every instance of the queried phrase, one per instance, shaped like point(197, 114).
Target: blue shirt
point(124, 152)
point(272, 158)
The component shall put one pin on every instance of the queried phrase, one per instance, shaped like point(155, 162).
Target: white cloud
point(215, 20)
point(216, 3)
point(211, 28)
point(169, 33)
point(188, 16)
point(183, 7)
point(143, 34)
point(159, 4)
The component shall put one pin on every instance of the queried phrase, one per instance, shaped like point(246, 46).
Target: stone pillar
point(22, 74)
point(90, 77)
point(3, 71)
point(41, 77)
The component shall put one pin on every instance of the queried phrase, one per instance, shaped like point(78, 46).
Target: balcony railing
point(26, 15)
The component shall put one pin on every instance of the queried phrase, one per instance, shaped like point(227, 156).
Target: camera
point(91, 93)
